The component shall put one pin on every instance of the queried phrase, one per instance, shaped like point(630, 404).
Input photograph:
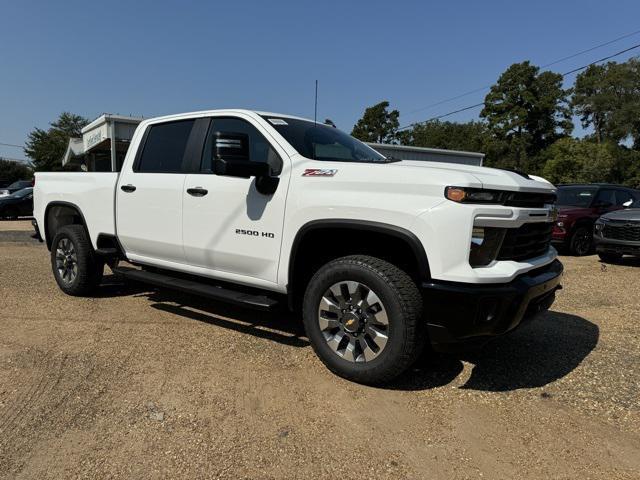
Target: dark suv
point(579, 206)
point(618, 233)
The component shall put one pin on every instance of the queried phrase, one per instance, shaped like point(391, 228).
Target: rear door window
point(164, 147)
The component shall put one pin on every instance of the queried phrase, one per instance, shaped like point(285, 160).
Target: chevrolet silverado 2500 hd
point(379, 255)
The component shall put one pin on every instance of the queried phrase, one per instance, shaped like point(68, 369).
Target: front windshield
point(575, 196)
point(322, 142)
point(22, 193)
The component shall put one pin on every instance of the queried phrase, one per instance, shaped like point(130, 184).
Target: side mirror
point(231, 156)
point(231, 159)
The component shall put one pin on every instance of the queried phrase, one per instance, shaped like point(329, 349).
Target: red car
point(580, 206)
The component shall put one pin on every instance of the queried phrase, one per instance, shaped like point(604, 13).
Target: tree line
point(526, 124)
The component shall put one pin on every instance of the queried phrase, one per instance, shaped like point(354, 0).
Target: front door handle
point(197, 191)
point(128, 188)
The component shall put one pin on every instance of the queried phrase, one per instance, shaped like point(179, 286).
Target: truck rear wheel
point(74, 264)
point(363, 317)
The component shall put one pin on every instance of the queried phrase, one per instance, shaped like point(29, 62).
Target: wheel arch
point(58, 214)
point(386, 241)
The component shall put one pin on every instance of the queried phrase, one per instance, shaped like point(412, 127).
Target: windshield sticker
point(320, 172)
point(277, 121)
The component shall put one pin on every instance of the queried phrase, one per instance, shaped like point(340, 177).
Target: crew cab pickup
point(380, 256)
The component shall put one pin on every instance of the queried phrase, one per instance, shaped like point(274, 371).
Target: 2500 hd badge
point(255, 233)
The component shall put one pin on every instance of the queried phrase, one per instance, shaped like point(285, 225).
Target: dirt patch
point(141, 383)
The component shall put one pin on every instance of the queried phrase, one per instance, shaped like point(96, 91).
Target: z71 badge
point(320, 172)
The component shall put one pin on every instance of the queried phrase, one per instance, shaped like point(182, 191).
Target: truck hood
point(630, 214)
point(490, 178)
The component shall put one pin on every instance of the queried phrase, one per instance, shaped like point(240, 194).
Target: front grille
point(529, 200)
point(529, 241)
point(628, 231)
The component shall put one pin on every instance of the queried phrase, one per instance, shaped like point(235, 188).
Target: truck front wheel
point(75, 267)
point(363, 317)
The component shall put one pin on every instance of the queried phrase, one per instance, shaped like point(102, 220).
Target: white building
point(104, 143)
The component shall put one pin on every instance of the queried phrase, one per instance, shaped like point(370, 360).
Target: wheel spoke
point(367, 353)
point(334, 342)
point(378, 337)
point(349, 351)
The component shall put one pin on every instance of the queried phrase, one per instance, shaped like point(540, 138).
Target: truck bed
point(93, 193)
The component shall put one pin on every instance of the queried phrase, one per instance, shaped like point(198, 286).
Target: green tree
point(571, 160)
point(607, 98)
point(469, 136)
point(526, 111)
point(46, 147)
point(10, 171)
point(377, 124)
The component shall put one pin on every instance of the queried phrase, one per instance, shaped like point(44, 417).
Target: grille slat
point(529, 241)
point(627, 231)
point(529, 200)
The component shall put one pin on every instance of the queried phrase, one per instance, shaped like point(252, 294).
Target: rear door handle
point(128, 188)
point(197, 191)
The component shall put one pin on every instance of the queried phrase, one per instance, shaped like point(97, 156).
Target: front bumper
point(459, 313)
point(622, 247)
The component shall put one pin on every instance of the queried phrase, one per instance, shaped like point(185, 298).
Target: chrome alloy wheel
point(353, 321)
point(66, 261)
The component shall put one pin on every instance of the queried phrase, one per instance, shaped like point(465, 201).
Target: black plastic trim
point(59, 203)
point(458, 311)
point(361, 225)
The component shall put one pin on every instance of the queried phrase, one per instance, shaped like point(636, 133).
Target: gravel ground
point(139, 383)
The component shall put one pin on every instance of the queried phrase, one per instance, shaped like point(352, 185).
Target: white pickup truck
point(381, 256)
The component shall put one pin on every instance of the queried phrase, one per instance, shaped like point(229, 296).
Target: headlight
point(599, 226)
point(485, 244)
point(473, 195)
point(560, 224)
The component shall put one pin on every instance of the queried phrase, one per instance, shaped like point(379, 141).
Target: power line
point(608, 57)
point(11, 145)
point(450, 99)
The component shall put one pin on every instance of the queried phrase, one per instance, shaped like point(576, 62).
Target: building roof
point(107, 117)
point(438, 151)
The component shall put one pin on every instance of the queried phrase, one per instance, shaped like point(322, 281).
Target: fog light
point(485, 244)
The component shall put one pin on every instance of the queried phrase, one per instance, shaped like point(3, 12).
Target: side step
point(261, 302)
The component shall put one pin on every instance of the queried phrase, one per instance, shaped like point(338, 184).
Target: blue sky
point(156, 57)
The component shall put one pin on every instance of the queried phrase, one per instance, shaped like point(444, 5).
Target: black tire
point(610, 257)
point(581, 241)
point(401, 301)
point(89, 269)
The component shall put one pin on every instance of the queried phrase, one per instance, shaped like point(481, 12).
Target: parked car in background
point(618, 233)
point(18, 204)
point(15, 186)
point(580, 205)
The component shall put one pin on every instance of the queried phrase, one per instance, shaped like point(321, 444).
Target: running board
point(261, 302)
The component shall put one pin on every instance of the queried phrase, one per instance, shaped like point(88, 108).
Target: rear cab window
point(164, 147)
